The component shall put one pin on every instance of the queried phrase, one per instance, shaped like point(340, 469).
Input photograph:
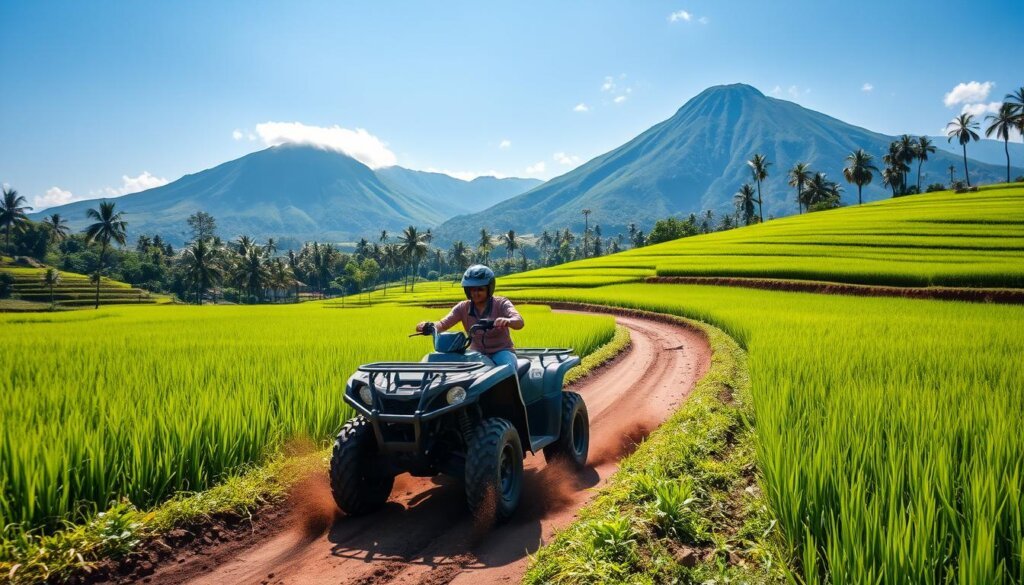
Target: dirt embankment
point(424, 533)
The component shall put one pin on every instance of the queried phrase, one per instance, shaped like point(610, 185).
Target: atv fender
point(498, 395)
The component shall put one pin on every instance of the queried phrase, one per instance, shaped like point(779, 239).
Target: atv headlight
point(366, 395)
point(456, 395)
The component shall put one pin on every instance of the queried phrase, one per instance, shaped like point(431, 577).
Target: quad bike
point(457, 413)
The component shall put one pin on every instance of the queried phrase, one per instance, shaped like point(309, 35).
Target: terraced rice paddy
point(938, 239)
point(142, 402)
point(75, 290)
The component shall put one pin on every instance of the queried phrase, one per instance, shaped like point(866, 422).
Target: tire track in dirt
point(424, 534)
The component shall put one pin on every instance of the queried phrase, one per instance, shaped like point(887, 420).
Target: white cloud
point(505, 143)
point(566, 159)
point(237, 134)
point(703, 20)
point(536, 169)
point(251, 137)
point(358, 144)
point(867, 87)
point(968, 92)
point(979, 110)
point(609, 83)
point(619, 99)
point(581, 107)
point(136, 184)
point(680, 15)
point(53, 197)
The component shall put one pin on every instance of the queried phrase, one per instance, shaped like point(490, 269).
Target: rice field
point(888, 430)
point(144, 402)
point(936, 239)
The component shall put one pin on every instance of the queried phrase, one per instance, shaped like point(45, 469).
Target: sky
point(101, 99)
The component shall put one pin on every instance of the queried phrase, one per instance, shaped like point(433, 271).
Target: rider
point(478, 282)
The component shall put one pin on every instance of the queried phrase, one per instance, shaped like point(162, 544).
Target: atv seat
point(522, 366)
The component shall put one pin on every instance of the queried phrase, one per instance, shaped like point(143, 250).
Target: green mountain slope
point(696, 160)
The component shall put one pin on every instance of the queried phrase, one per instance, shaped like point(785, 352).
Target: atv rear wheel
point(573, 443)
point(359, 480)
point(494, 471)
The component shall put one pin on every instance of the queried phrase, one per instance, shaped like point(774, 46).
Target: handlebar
point(481, 325)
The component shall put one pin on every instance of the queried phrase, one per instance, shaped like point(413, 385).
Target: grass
point(668, 514)
point(888, 430)
point(139, 403)
point(935, 239)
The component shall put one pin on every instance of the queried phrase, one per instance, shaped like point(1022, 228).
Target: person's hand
point(501, 323)
point(420, 326)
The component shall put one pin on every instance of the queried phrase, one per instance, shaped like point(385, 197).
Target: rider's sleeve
point(454, 316)
point(510, 313)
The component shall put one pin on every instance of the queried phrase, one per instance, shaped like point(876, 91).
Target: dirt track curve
point(424, 534)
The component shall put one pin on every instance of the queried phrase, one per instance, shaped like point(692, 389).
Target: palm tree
point(859, 171)
point(891, 178)
point(898, 169)
point(50, 278)
point(586, 230)
point(12, 214)
point(820, 189)
point(744, 199)
point(484, 245)
point(963, 129)
point(952, 171)
point(202, 268)
point(414, 248)
point(459, 255)
point(270, 248)
point(383, 236)
point(798, 175)
point(921, 150)
point(1002, 123)
point(58, 227)
point(108, 225)
point(759, 169)
point(907, 148)
point(1016, 99)
point(511, 242)
point(250, 272)
point(243, 244)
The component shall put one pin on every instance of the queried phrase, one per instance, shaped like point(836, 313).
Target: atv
point(457, 413)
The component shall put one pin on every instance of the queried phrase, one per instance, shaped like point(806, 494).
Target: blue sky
point(105, 98)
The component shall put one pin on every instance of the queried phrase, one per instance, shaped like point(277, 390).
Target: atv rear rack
point(559, 354)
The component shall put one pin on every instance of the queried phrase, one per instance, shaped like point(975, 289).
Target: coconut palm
point(819, 189)
point(907, 148)
point(271, 248)
point(1016, 99)
point(923, 147)
point(202, 267)
point(1002, 122)
point(952, 172)
point(58, 227)
point(898, 169)
point(510, 240)
point(12, 214)
point(243, 244)
point(586, 230)
point(459, 255)
point(963, 129)
point(383, 236)
point(798, 175)
point(484, 245)
point(892, 178)
point(51, 278)
point(859, 168)
point(414, 249)
point(759, 170)
point(109, 225)
point(744, 199)
point(250, 272)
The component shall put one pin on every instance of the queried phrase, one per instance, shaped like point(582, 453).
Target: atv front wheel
point(494, 471)
point(359, 480)
point(573, 443)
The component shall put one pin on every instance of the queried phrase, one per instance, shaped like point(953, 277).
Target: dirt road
point(424, 534)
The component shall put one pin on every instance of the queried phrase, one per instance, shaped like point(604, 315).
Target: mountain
point(984, 150)
point(457, 196)
point(696, 160)
point(299, 193)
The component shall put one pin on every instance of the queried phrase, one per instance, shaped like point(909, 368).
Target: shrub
point(831, 202)
point(935, 187)
point(6, 285)
point(1020, 179)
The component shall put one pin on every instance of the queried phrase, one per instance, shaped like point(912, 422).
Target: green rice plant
point(613, 538)
point(138, 403)
point(673, 509)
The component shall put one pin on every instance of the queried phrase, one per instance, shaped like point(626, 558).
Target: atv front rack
point(421, 367)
